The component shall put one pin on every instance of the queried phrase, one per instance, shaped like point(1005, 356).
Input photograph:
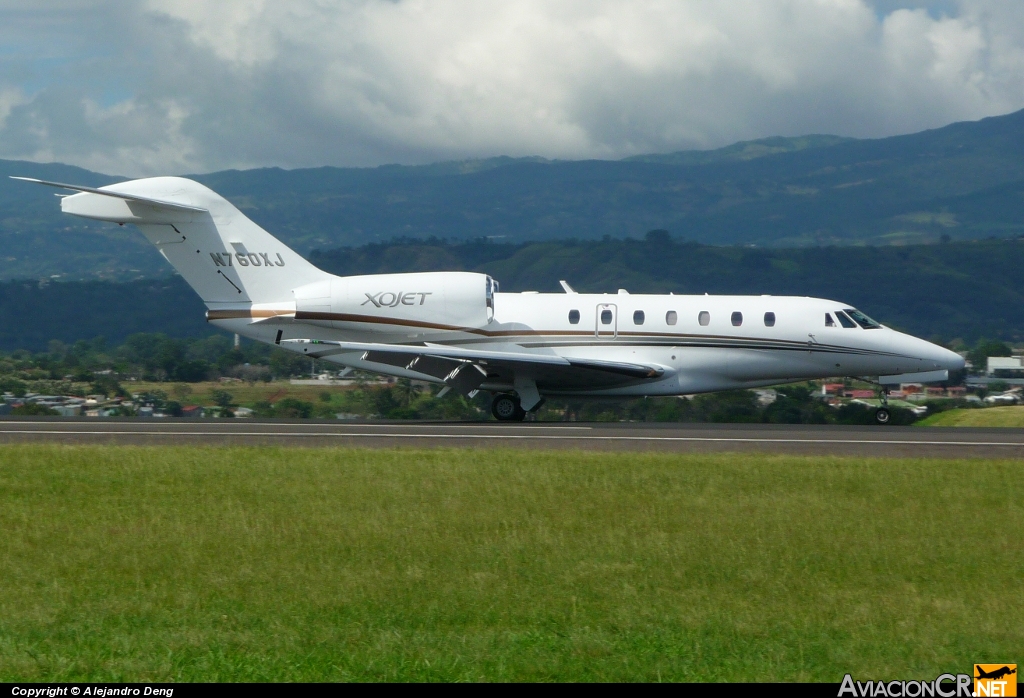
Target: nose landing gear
point(506, 408)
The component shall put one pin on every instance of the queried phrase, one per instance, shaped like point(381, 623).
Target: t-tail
point(229, 260)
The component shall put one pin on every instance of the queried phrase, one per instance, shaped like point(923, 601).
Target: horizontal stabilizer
point(117, 195)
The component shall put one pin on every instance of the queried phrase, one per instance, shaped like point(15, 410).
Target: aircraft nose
point(954, 362)
point(929, 357)
point(939, 357)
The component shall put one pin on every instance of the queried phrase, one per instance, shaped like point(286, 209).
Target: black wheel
point(505, 408)
point(882, 416)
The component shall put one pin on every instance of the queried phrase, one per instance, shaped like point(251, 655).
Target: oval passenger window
point(606, 317)
point(638, 317)
point(769, 319)
point(574, 317)
point(704, 318)
point(737, 319)
point(671, 317)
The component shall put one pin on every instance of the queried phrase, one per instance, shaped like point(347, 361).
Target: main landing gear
point(506, 408)
point(882, 415)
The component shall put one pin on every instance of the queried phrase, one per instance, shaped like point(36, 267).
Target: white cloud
point(206, 84)
point(9, 98)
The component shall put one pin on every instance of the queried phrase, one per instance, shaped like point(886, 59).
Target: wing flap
point(469, 368)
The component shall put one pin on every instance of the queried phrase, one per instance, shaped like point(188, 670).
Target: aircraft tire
point(882, 416)
point(505, 408)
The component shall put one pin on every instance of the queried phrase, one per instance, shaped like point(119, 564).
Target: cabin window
point(704, 318)
point(769, 319)
point(863, 320)
point(606, 317)
point(638, 317)
point(736, 319)
point(574, 317)
point(829, 322)
point(671, 317)
point(845, 320)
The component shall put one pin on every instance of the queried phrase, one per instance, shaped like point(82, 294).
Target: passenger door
point(606, 325)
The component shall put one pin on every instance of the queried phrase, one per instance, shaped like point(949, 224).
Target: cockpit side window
point(829, 322)
point(845, 320)
point(862, 319)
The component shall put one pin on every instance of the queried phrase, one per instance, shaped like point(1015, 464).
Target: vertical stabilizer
point(222, 254)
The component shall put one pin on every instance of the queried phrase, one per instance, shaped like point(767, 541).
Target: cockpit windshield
point(845, 320)
point(862, 319)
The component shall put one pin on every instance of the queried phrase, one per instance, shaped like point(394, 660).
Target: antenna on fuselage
point(565, 286)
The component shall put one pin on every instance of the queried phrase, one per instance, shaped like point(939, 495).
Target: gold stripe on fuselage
point(536, 338)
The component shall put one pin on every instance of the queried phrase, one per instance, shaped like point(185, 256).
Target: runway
point(684, 438)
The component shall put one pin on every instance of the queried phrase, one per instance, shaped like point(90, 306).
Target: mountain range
point(961, 182)
point(948, 291)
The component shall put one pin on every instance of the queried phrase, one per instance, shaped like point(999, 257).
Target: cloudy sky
point(138, 87)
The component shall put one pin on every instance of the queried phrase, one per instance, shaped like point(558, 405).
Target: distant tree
point(407, 391)
point(658, 237)
point(984, 349)
point(222, 398)
point(32, 409)
point(290, 407)
point(13, 385)
point(107, 384)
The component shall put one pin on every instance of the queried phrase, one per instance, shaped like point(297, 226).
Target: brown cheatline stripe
point(705, 340)
point(244, 314)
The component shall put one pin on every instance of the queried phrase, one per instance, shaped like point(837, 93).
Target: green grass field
point(149, 564)
point(1006, 416)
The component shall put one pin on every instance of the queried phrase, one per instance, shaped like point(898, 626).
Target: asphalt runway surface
point(889, 441)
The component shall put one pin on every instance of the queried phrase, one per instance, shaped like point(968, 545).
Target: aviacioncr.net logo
point(944, 686)
point(387, 299)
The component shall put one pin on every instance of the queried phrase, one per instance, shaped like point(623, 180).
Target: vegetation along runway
point(774, 438)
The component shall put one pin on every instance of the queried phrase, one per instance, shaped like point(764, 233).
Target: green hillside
point(964, 181)
point(964, 290)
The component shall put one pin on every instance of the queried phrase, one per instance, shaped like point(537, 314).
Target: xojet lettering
point(387, 299)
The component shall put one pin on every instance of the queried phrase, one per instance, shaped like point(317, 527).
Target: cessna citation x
point(457, 329)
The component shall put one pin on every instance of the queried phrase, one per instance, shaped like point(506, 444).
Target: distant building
point(1005, 367)
point(1002, 399)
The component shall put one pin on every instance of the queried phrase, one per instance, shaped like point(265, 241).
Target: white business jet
point(457, 329)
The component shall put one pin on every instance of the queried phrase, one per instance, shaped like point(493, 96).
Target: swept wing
point(466, 369)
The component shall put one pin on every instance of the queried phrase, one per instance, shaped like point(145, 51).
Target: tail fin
point(223, 255)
